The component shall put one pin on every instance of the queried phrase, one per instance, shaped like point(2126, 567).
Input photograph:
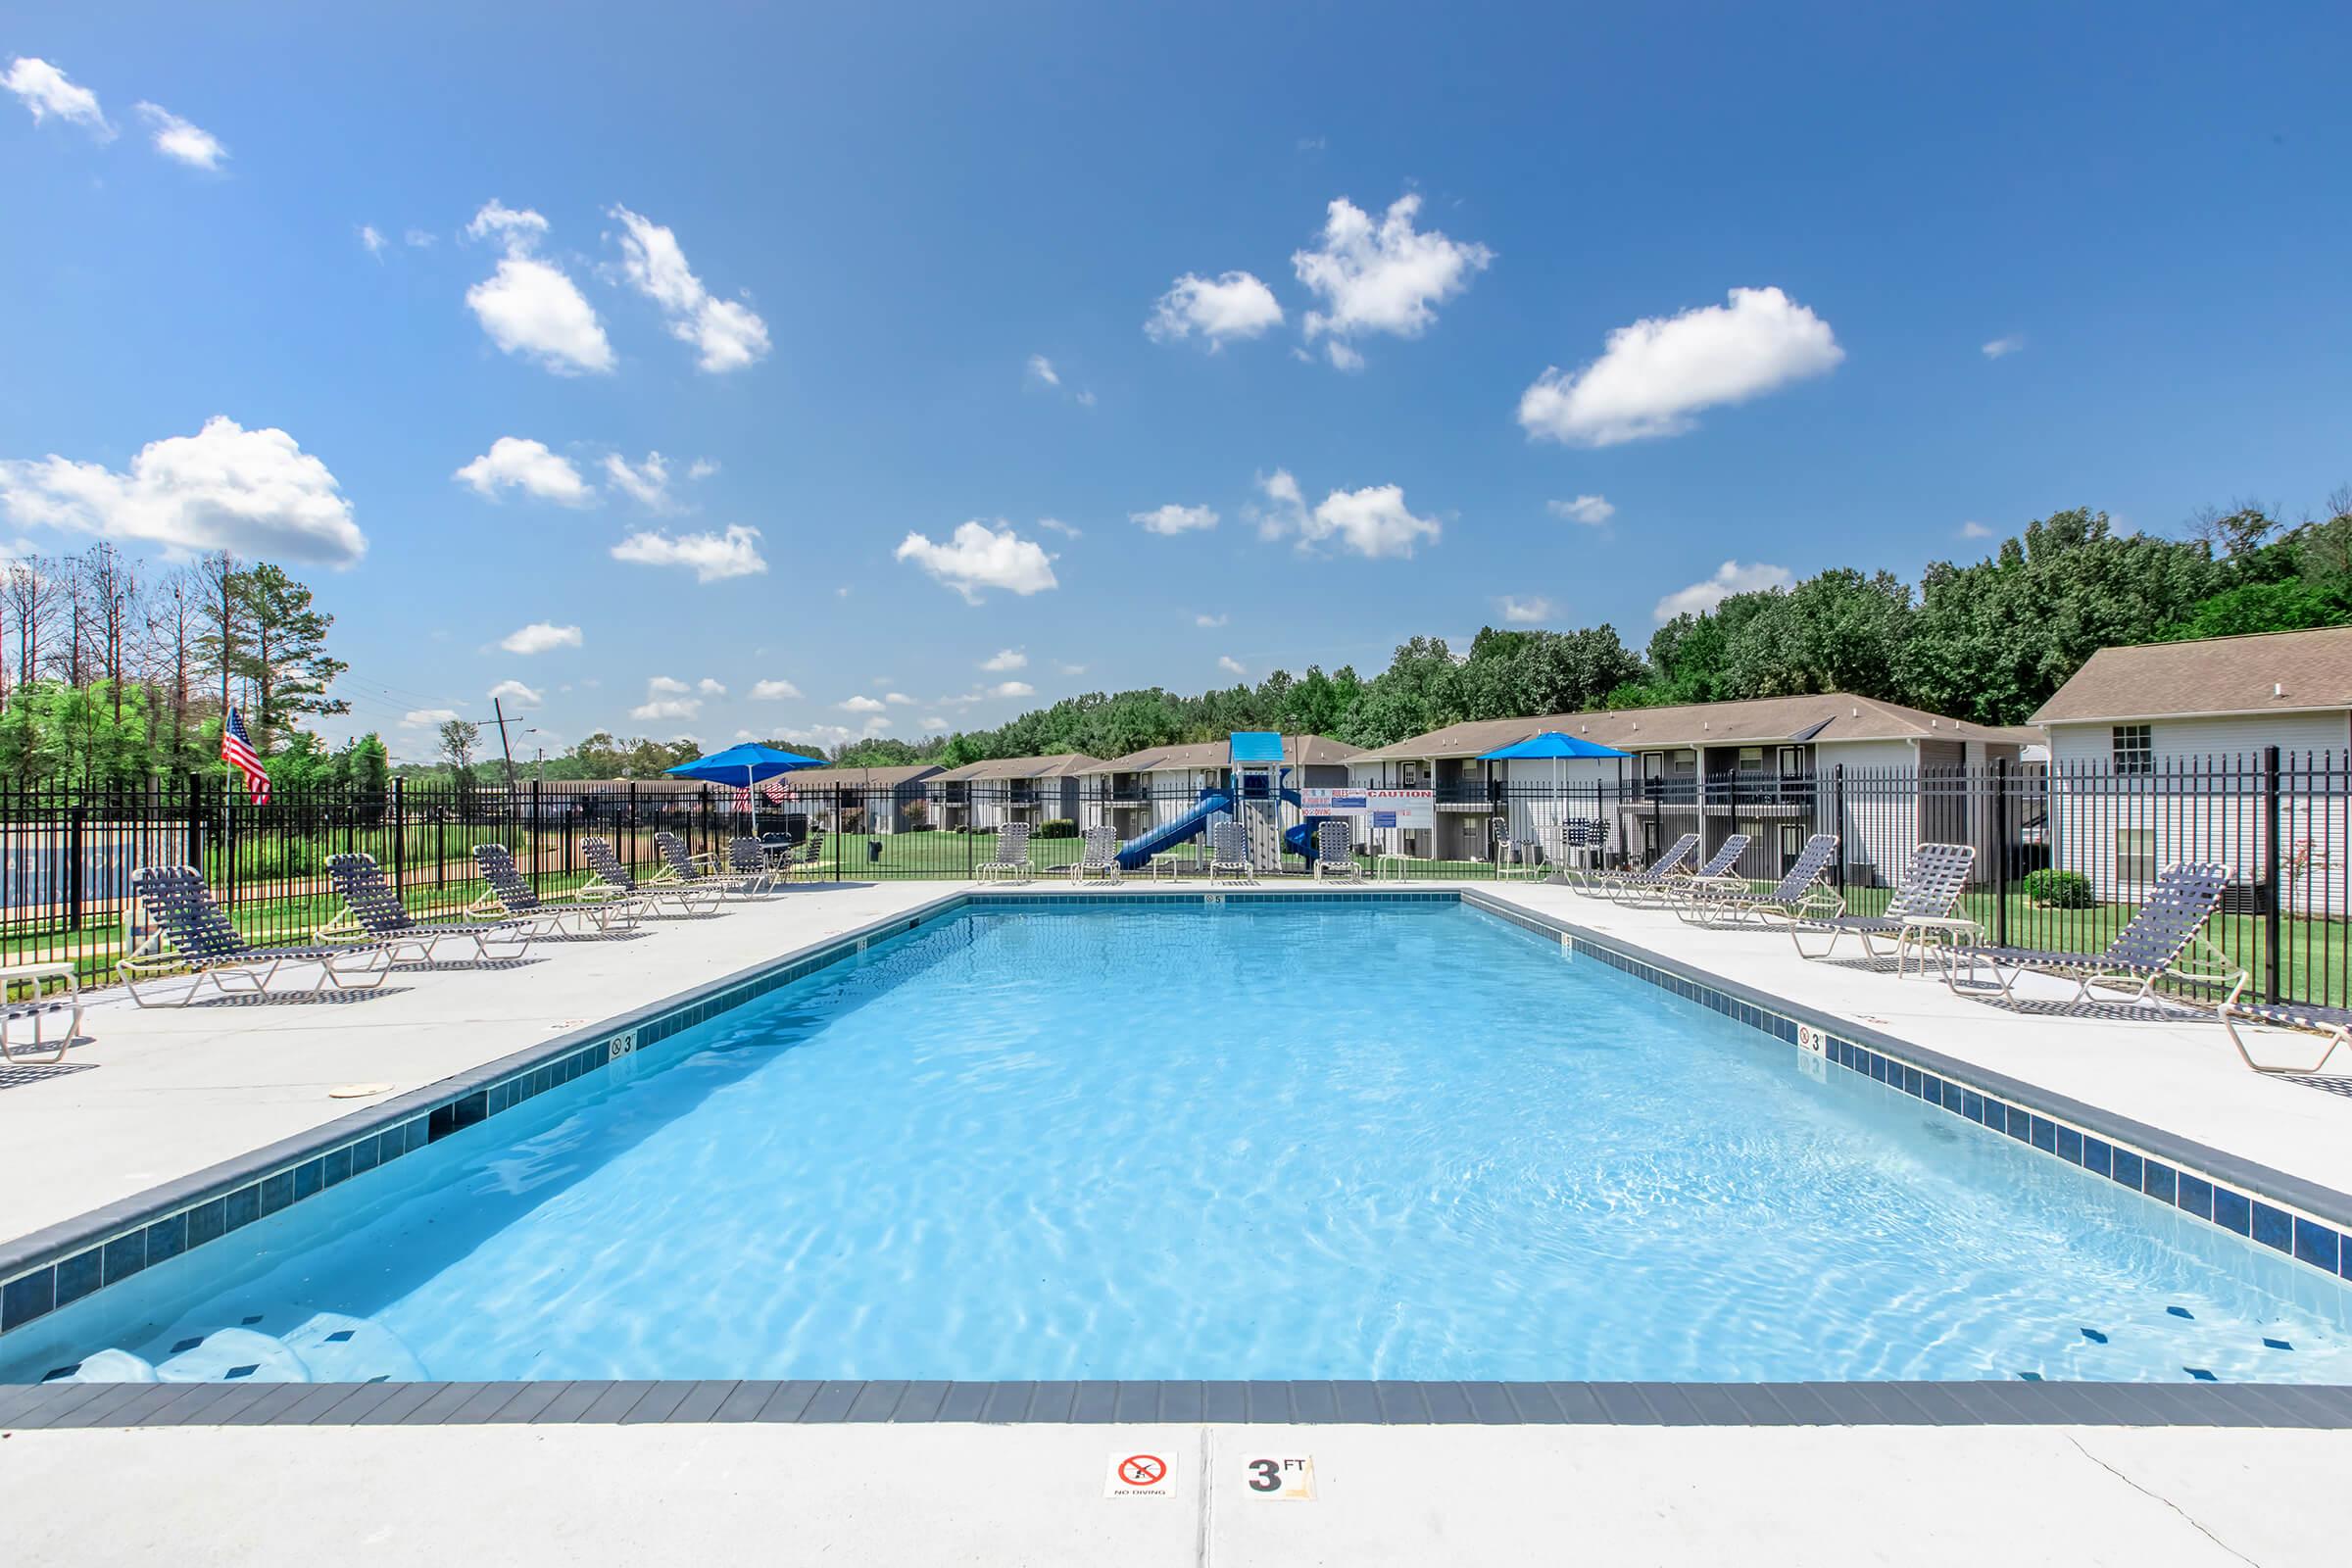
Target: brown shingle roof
point(1055, 765)
point(1766, 721)
point(1318, 750)
point(2273, 672)
point(880, 778)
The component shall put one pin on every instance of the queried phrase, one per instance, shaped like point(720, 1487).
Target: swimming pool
point(1396, 1140)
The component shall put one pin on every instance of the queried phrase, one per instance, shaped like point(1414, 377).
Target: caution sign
point(1282, 1478)
point(1140, 1475)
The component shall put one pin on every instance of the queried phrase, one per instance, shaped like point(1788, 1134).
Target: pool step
point(326, 1348)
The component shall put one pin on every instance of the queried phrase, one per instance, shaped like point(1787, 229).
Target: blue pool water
point(1363, 1140)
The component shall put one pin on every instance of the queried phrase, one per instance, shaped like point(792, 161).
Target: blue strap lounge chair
point(375, 912)
point(195, 939)
point(2156, 945)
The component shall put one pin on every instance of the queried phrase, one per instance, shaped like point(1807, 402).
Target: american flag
point(238, 752)
point(776, 793)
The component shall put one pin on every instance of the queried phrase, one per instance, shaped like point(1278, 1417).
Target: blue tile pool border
point(60, 1265)
point(2299, 1219)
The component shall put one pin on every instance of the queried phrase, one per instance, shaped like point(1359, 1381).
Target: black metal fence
point(2063, 854)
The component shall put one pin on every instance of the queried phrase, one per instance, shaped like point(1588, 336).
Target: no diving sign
point(1140, 1475)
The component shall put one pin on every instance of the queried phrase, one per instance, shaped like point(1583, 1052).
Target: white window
point(2134, 748)
point(2135, 856)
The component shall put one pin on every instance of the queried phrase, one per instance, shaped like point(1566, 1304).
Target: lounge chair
point(1799, 892)
point(1010, 861)
point(1663, 868)
point(505, 890)
point(2149, 948)
point(1931, 886)
point(373, 910)
point(2333, 1025)
point(1099, 857)
point(747, 863)
point(202, 940)
point(1229, 852)
point(36, 1007)
point(682, 868)
point(613, 880)
point(1716, 877)
point(808, 859)
point(1335, 850)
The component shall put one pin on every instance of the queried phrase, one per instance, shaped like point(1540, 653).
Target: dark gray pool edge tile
point(643, 1402)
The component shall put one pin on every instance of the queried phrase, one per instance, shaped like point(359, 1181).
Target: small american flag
point(238, 752)
point(776, 793)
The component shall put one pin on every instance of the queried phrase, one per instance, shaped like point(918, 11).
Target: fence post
point(632, 834)
point(2270, 873)
point(535, 819)
point(2001, 852)
point(195, 801)
point(74, 866)
point(400, 856)
point(1838, 816)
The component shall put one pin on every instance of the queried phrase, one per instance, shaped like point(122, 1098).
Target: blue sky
point(821, 255)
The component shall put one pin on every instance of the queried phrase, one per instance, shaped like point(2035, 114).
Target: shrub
point(2059, 890)
point(1056, 827)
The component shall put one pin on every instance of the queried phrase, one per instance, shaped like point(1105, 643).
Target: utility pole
point(499, 709)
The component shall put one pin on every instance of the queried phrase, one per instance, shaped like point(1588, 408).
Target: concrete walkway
point(947, 1494)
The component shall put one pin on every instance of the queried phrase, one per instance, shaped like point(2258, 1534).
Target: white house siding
point(2204, 802)
point(1880, 819)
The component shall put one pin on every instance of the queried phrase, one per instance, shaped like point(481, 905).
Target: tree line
point(1988, 641)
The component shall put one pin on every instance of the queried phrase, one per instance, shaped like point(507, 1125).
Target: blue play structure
point(1255, 761)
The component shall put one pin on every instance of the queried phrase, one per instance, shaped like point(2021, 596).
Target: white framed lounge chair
point(506, 891)
point(2164, 940)
point(1719, 876)
point(33, 1011)
point(1662, 870)
point(1229, 852)
point(1931, 885)
point(1098, 856)
point(195, 939)
point(613, 880)
point(682, 868)
point(1010, 861)
point(2331, 1025)
point(1803, 891)
point(374, 912)
point(1335, 851)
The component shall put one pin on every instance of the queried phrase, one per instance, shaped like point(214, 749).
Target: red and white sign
point(1407, 808)
point(1138, 1473)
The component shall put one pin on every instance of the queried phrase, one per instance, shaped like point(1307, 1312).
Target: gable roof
point(1056, 765)
point(880, 778)
point(1297, 750)
point(2271, 672)
point(1762, 720)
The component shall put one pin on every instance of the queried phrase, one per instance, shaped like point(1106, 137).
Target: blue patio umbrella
point(746, 764)
point(1558, 747)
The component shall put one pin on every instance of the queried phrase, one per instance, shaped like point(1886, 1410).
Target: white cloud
point(375, 241)
point(1086, 398)
point(1013, 688)
point(1231, 665)
point(709, 686)
point(1173, 518)
point(529, 306)
point(515, 691)
point(1729, 578)
point(1521, 611)
point(933, 722)
point(1372, 522)
point(1285, 510)
point(771, 691)
point(426, 717)
point(1972, 530)
point(250, 492)
point(859, 705)
point(701, 469)
point(1060, 527)
point(665, 698)
point(2002, 347)
point(1381, 277)
point(1593, 511)
point(540, 637)
point(713, 557)
point(648, 481)
point(1005, 659)
point(898, 698)
point(729, 335)
point(175, 138)
point(47, 90)
point(977, 557)
point(517, 462)
point(1233, 305)
point(1041, 368)
point(418, 239)
point(1655, 376)
point(1069, 669)
point(1342, 356)
point(820, 737)
point(1211, 621)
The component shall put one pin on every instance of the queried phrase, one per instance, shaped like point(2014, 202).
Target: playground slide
point(1137, 851)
